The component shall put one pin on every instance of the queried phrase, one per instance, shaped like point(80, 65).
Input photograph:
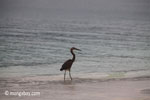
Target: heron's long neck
point(73, 55)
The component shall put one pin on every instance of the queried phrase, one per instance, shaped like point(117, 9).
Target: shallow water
point(35, 37)
point(78, 89)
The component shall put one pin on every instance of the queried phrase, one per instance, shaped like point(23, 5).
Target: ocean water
point(36, 35)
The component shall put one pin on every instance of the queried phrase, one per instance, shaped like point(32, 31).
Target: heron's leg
point(70, 75)
point(64, 75)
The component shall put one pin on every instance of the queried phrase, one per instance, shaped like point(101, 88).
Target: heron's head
point(73, 48)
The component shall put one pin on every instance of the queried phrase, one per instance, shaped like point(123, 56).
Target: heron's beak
point(77, 49)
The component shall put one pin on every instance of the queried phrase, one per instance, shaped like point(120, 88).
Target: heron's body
point(68, 64)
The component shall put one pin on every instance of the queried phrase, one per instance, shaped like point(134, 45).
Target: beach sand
point(79, 89)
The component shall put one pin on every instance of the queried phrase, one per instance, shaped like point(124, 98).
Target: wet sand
point(79, 89)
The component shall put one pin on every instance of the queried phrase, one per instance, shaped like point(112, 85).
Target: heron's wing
point(67, 64)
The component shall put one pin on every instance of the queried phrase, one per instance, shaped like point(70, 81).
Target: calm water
point(35, 36)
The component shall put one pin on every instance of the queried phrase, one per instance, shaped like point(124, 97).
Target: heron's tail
point(61, 69)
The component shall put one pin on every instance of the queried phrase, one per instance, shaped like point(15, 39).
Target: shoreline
point(135, 88)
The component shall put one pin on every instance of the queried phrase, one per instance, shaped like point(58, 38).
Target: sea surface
point(36, 36)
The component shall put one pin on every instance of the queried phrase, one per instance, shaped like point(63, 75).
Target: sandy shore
point(78, 89)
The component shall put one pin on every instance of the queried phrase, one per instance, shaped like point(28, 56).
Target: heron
point(67, 65)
